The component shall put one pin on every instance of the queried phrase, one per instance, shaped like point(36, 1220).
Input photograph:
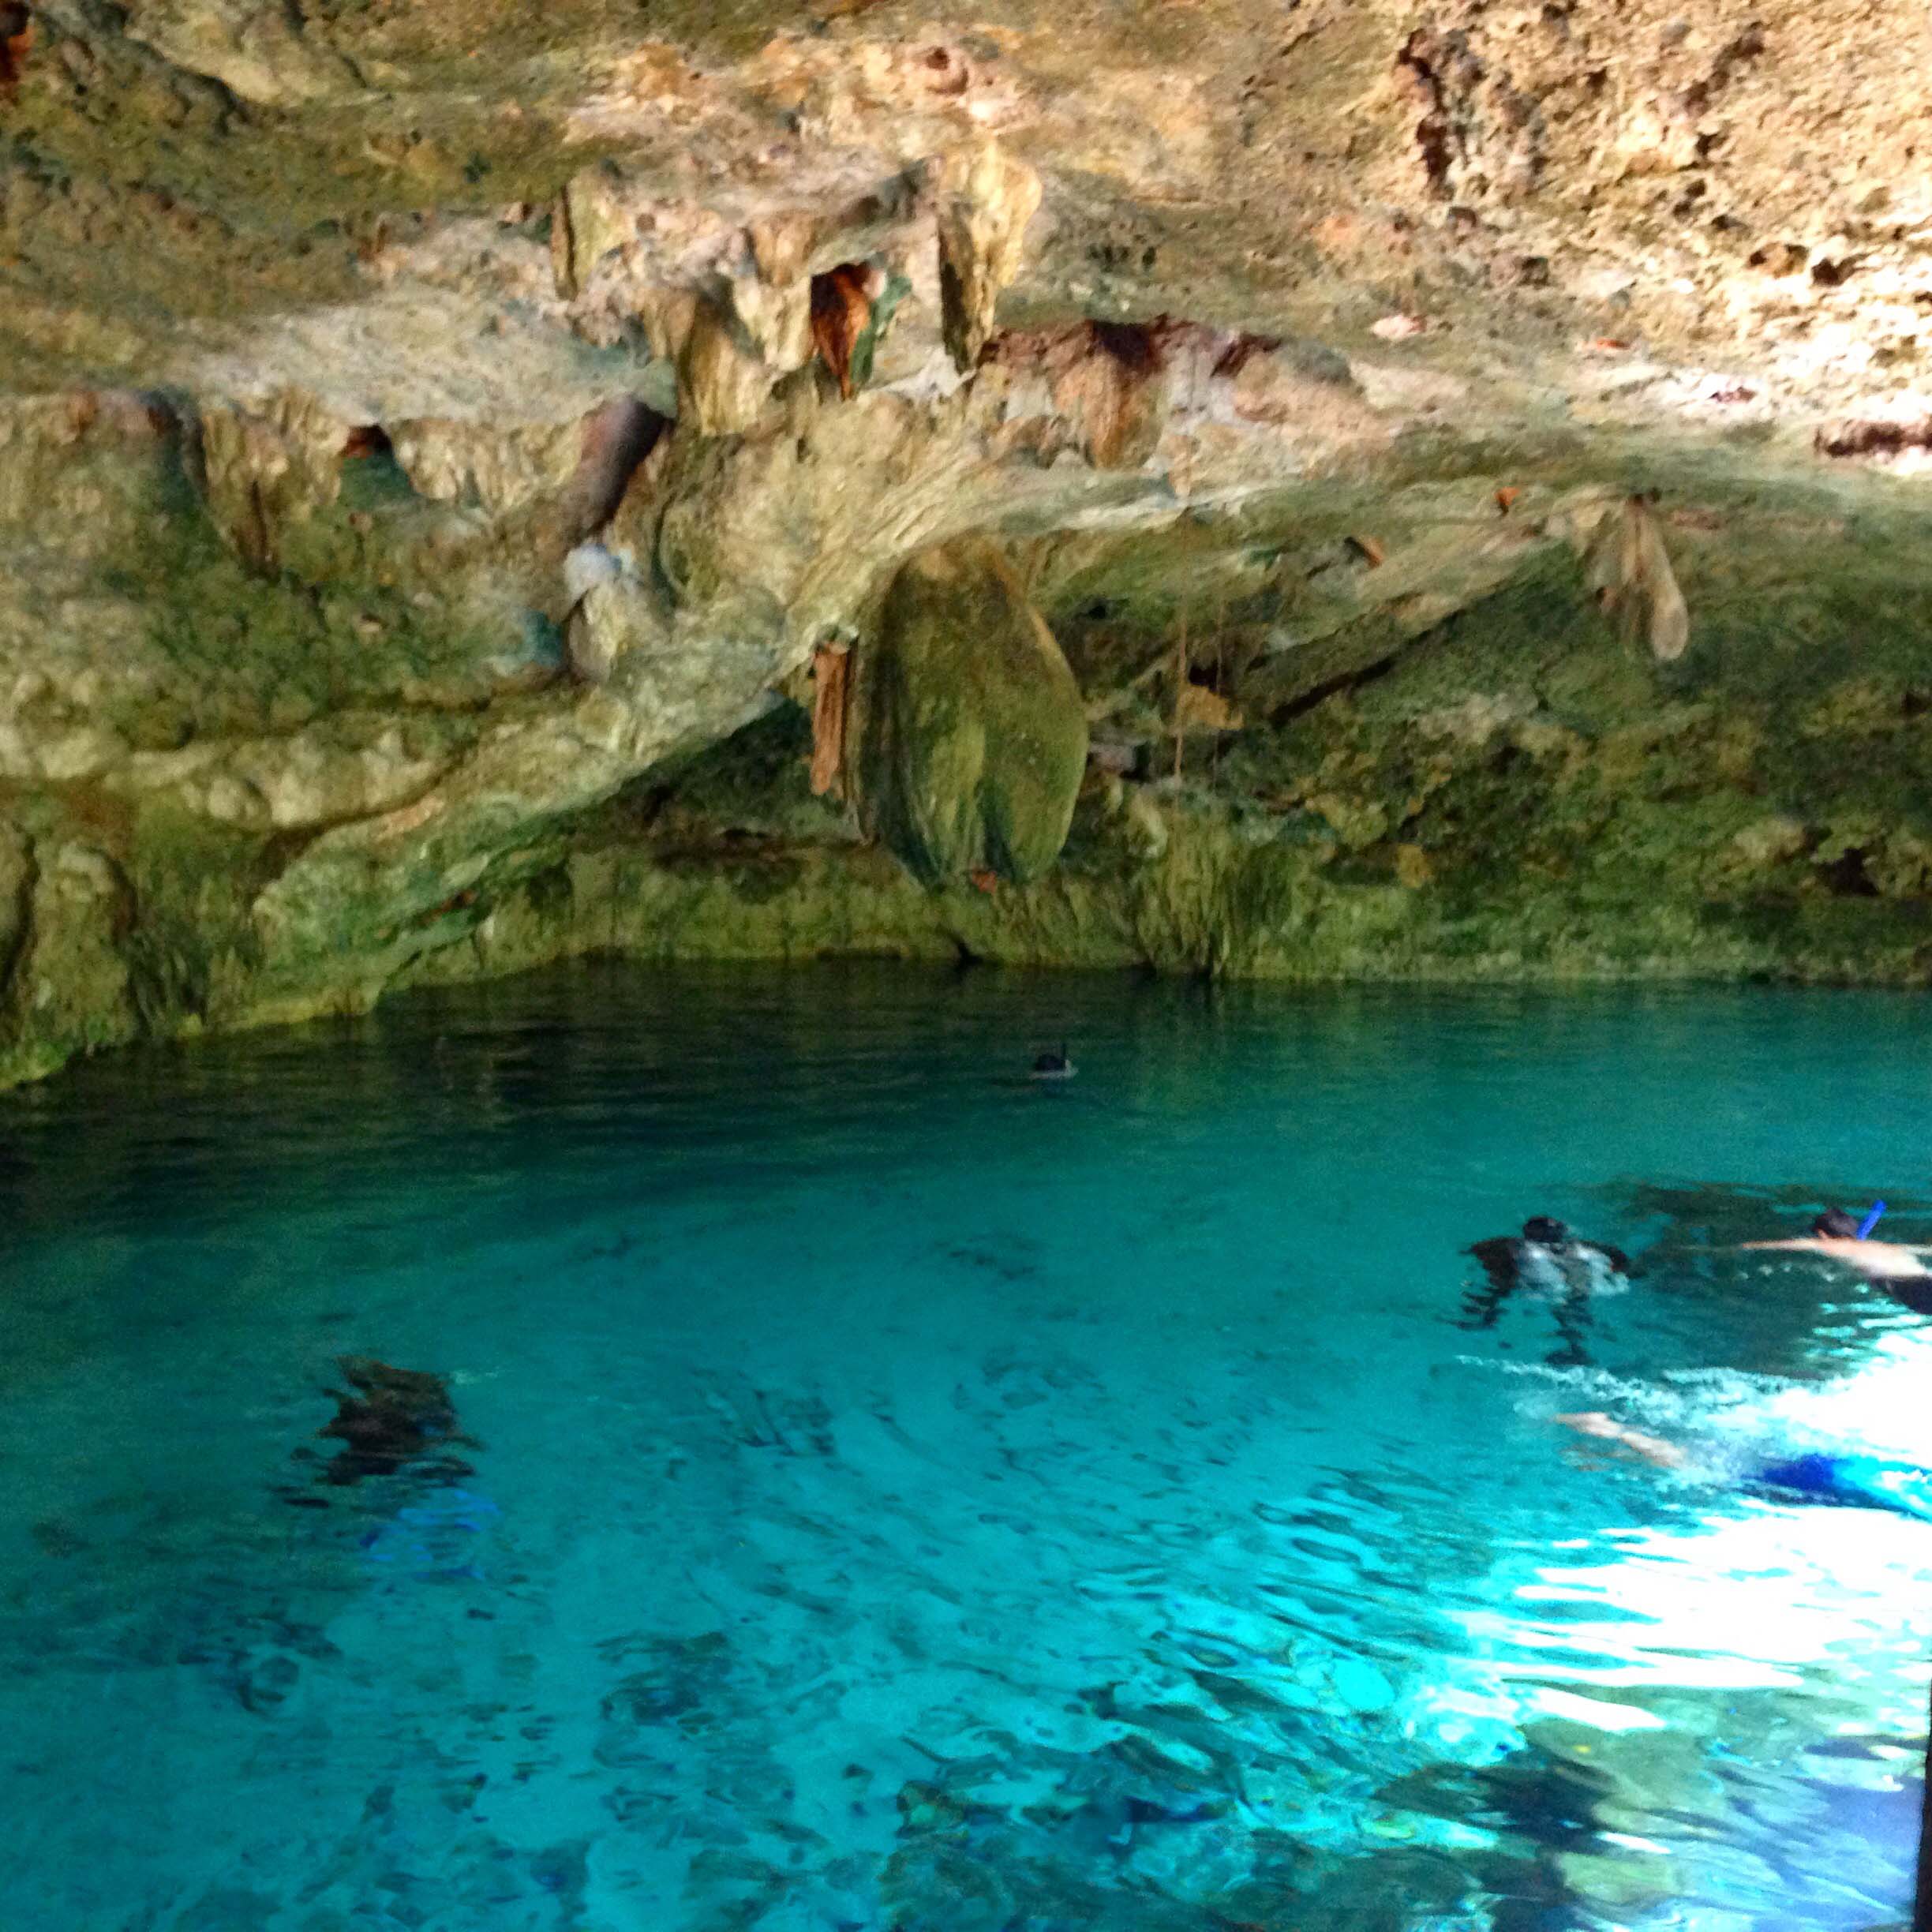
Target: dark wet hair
point(1835, 1224)
point(1543, 1228)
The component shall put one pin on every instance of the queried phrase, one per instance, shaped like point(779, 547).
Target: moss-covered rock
point(973, 739)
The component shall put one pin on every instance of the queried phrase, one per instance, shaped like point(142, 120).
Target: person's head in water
point(1543, 1228)
point(1835, 1224)
point(1053, 1065)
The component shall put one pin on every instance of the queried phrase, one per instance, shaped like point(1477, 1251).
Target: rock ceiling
point(418, 420)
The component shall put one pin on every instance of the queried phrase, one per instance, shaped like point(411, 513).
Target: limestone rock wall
point(426, 439)
point(1520, 793)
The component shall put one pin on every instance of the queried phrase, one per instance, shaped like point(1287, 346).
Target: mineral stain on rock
point(841, 307)
point(17, 37)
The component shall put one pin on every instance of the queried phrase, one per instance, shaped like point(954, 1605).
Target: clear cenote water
point(904, 1497)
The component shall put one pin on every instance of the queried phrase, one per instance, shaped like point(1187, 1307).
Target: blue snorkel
point(1871, 1220)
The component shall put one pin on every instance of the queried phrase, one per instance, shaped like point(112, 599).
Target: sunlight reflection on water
point(905, 1498)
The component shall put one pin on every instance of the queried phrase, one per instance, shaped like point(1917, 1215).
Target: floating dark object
point(389, 1418)
point(1547, 1255)
point(1054, 1065)
point(1554, 1266)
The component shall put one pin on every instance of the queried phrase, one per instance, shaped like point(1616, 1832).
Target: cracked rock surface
point(1460, 470)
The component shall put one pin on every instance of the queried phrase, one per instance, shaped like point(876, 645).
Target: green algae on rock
point(422, 492)
point(973, 739)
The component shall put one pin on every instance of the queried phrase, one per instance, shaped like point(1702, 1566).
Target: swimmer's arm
point(1845, 1248)
point(1651, 1448)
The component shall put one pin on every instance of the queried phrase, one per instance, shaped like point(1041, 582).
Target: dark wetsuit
point(1914, 1291)
point(1566, 1275)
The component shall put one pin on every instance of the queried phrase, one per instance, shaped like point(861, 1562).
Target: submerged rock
point(390, 1418)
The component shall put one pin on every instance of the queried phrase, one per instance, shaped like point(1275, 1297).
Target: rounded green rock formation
point(973, 739)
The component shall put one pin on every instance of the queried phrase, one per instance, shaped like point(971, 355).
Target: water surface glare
point(904, 1497)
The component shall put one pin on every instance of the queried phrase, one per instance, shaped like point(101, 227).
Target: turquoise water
point(904, 1497)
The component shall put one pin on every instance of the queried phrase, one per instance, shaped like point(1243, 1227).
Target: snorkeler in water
point(1894, 1266)
point(1053, 1066)
point(1550, 1263)
point(1849, 1482)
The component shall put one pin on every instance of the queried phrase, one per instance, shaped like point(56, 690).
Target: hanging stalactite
point(831, 682)
point(1628, 571)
